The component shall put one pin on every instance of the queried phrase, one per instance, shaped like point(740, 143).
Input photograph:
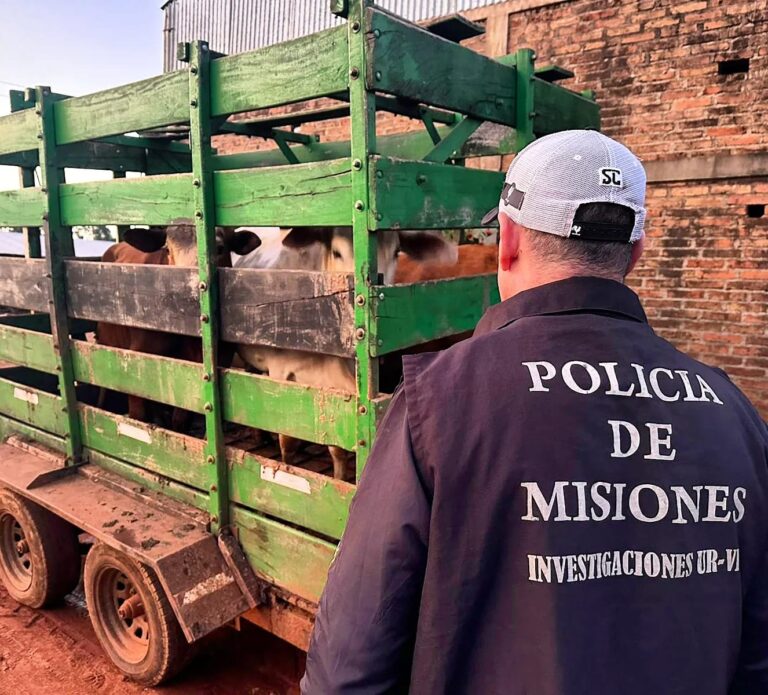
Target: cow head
point(180, 241)
point(336, 254)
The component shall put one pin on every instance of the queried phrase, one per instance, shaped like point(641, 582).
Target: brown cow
point(175, 245)
point(474, 259)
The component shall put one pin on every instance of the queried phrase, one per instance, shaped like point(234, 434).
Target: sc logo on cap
point(611, 177)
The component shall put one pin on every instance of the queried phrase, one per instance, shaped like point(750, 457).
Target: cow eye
point(336, 254)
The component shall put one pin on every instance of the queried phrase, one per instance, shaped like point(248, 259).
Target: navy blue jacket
point(564, 504)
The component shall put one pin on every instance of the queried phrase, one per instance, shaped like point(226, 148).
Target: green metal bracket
point(524, 107)
point(453, 141)
point(362, 107)
point(205, 228)
point(58, 245)
point(429, 124)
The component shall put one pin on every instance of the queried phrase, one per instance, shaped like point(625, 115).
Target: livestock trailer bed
point(188, 533)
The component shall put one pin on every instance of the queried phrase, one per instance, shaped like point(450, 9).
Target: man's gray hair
point(605, 258)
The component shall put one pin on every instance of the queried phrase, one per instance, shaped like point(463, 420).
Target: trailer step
point(204, 587)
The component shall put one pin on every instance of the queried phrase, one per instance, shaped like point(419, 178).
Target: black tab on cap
point(602, 231)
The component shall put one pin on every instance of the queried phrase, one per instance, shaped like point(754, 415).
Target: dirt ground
point(55, 651)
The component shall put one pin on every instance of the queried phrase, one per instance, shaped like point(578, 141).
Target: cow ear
point(429, 246)
point(301, 237)
point(244, 242)
point(146, 240)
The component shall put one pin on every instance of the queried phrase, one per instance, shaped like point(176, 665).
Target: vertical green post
point(205, 229)
point(362, 109)
point(121, 228)
point(58, 246)
point(19, 101)
point(524, 105)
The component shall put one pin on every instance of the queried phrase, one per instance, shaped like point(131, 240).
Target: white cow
point(327, 249)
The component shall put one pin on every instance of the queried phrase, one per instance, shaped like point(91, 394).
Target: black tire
point(39, 552)
point(147, 644)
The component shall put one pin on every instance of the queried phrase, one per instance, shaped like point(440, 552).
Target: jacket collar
point(574, 295)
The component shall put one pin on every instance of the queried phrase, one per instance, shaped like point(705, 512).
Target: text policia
point(602, 501)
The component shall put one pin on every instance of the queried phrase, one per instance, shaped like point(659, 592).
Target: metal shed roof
point(236, 26)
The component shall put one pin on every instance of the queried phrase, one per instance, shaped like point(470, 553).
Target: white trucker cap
point(554, 176)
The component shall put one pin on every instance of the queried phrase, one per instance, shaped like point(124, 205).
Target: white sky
point(76, 47)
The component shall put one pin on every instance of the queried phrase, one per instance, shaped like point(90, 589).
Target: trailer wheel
point(39, 552)
point(132, 617)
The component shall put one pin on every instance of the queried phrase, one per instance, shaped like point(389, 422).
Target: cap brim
point(490, 217)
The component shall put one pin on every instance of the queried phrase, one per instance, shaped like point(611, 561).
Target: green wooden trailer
point(188, 533)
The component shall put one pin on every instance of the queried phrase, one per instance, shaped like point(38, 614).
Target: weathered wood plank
point(454, 77)
point(559, 109)
point(23, 284)
point(317, 193)
point(284, 556)
point(18, 132)
point(21, 208)
point(305, 68)
point(315, 415)
point(33, 406)
point(145, 296)
point(162, 379)
point(155, 200)
point(280, 308)
point(288, 308)
point(88, 155)
point(412, 314)
point(157, 101)
point(423, 195)
point(28, 348)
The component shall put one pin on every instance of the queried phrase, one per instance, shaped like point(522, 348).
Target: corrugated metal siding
point(235, 26)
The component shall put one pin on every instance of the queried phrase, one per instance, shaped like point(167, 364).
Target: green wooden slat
point(317, 193)
point(35, 407)
point(305, 68)
point(9, 426)
point(21, 208)
point(27, 348)
point(413, 63)
point(303, 498)
point(161, 451)
point(558, 109)
point(155, 200)
point(150, 103)
point(285, 556)
point(423, 195)
point(412, 314)
point(316, 415)
point(151, 481)
point(175, 382)
point(18, 132)
point(299, 497)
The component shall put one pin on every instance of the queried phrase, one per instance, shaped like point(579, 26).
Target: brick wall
point(654, 66)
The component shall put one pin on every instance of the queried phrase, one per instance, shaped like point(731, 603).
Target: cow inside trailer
point(194, 528)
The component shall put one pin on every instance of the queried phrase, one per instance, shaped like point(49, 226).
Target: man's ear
point(637, 251)
point(509, 242)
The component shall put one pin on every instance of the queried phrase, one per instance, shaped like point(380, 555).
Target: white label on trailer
point(295, 482)
point(134, 432)
point(24, 395)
